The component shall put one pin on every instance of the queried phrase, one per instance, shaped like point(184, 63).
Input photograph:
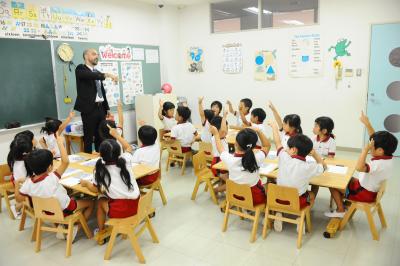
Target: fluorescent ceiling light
point(254, 10)
point(222, 12)
point(293, 22)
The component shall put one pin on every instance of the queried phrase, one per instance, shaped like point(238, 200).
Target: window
point(237, 15)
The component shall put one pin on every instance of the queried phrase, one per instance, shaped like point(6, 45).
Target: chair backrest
point(161, 133)
point(381, 191)
point(174, 147)
point(239, 195)
point(199, 162)
point(283, 198)
point(47, 209)
point(144, 207)
point(4, 171)
point(206, 149)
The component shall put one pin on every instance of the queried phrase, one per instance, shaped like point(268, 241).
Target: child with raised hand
point(372, 174)
point(50, 129)
point(288, 127)
point(166, 115)
point(205, 116)
point(104, 131)
point(243, 113)
point(43, 182)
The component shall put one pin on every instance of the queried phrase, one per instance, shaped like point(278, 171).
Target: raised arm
point(365, 120)
point(224, 128)
point(201, 111)
point(65, 123)
point(275, 135)
point(361, 163)
point(83, 73)
point(215, 133)
point(265, 144)
point(64, 155)
point(43, 143)
point(160, 115)
point(243, 118)
point(318, 158)
point(277, 117)
point(125, 145)
point(120, 114)
point(230, 107)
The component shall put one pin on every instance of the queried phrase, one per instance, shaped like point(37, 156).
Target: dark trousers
point(91, 122)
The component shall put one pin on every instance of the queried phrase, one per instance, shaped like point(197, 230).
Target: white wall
point(308, 97)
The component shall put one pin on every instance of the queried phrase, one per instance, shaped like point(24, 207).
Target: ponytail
point(299, 130)
point(19, 148)
point(102, 176)
point(294, 121)
point(247, 139)
point(249, 162)
point(125, 176)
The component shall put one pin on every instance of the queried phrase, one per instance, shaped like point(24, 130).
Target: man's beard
point(95, 61)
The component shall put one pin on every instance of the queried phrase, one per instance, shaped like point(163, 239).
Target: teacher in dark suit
point(91, 98)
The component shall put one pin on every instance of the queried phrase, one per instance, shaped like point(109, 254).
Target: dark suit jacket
point(86, 89)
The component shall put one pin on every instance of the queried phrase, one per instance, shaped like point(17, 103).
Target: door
point(383, 107)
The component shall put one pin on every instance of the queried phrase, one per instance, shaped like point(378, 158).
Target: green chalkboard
point(151, 73)
point(27, 82)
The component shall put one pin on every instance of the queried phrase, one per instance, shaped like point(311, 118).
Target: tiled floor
point(190, 234)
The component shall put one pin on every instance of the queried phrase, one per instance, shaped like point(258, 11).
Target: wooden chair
point(286, 200)
point(369, 209)
point(6, 189)
point(206, 149)
point(161, 133)
point(127, 226)
point(27, 210)
point(175, 155)
point(49, 210)
point(204, 175)
point(156, 186)
point(240, 196)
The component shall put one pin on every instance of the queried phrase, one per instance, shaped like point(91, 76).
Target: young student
point(365, 188)
point(184, 131)
point(222, 126)
point(51, 128)
point(294, 171)
point(243, 115)
point(114, 178)
point(205, 116)
point(166, 115)
point(289, 127)
point(244, 164)
point(257, 118)
point(148, 154)
point(216, 107)
point(43, 182)
point(30, 135)
point(324, 141)
point(104, 131)
point(20, 147)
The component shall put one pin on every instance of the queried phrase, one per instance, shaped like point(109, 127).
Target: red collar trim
point(111, 163)
point(180, 123)
point(325, 140)
point(238, 154)
point(40, 178)
point(382, 158)
point(168, 116)
point(291, 134)
point(299, 157)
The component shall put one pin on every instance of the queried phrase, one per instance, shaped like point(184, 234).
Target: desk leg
point(68, 144)
point(81, 145)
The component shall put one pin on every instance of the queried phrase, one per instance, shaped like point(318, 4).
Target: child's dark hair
point(217, 122)
point(27, 133)
point(110, 152)
point(325, 122)
point(217, 103)
point(104, 131)
point(38, 161)
point(385, 140)
point(20, 147)
point(51, 126)
point(209, 114)
point(184, 112)
point(247, 139)
point(147, 135)
point(302, 143)
point(167, 106)
point(294, 121)
point(259, 113)
point(247, 102)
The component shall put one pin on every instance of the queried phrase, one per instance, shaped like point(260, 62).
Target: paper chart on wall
point(132, 81)
point(152, 56)
point(111, 88)
point(265, 65)
point(232, 58)
point(305, 56)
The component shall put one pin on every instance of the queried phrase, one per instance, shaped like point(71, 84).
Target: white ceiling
point(175, 2)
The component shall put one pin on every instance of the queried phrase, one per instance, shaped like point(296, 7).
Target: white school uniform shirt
point(168, 122)
point(263, 129)
point(205, 133)
point(149, 155)
point(184, 133)
point(214, 146)
point(51, 143)
point(378, 170)
point(295, 172)
point(236, 171)
point(284, 138)
point(19, 171)
point(47, 186)
point(117, 188)
point(239, 121)
point(324, 147)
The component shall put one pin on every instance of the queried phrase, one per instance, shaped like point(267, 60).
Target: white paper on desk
point(71, 171)
point(76, 158)
point(90, 163)
point(70, 181)
point(335, 169)
point(84, 176)
point(267, 168)
point(271, 155)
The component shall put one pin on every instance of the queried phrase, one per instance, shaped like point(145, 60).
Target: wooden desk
point(73, 137)
point(231, 136)
point(326, 179)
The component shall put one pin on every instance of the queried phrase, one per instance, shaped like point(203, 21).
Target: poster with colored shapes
point(111, 87)
point(195, 60)
point(305, 56)
point(232, 58)
point(132, 80)
point(265, 65)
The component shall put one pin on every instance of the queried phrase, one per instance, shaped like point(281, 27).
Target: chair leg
point(110, 243)
point(136, 247)
point(168, 162)
point(85, 227)
point(371, 223)
point(184, 165)
point(308, 221)
point(23, 219)
point(300, 233)
point(381, 216)
point(162, 195)
point(151, 230)
point(347, 216)
point(33, 237)
point(196, 188)
point(265, 225)
point(1, 206)
point(38, 235)
point(255, 226)
point(226, 217)
point(69, 239)
point(8, 205)
point(212, 193)
point(205, 188)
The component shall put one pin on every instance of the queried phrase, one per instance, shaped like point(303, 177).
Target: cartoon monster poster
point(340, 48)
point(195, 60)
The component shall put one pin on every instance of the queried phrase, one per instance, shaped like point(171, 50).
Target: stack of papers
point(267, 168)
point(337, 169)
point(272, 155)
point(70, 181)
point(76, 158)
point(70, 171)
point(90, 163)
